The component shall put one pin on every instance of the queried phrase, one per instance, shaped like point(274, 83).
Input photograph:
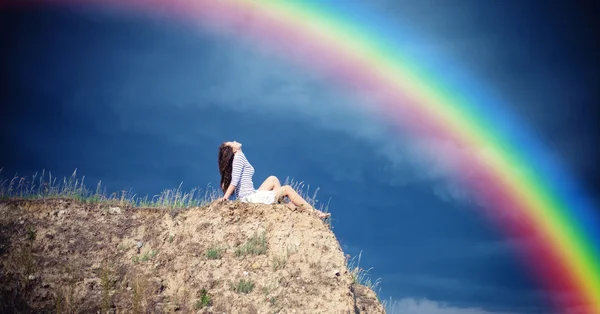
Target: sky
point(143, 104)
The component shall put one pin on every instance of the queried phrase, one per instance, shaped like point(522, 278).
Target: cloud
point(426, 306)
point(236, 76)
point(280, 89)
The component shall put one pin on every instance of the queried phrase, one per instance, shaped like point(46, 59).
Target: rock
point(31, 277)
point(114, 210)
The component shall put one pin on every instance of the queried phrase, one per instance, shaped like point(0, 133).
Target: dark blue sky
point(143, 104)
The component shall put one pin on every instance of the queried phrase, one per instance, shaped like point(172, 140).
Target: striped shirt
point(241, 175)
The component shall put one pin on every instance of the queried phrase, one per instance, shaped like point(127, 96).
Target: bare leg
point(291, 206)
point(297, 200)
point(270, 184)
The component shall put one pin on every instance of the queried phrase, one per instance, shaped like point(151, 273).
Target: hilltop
point(62, 255)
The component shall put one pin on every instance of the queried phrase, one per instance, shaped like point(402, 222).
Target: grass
point(148, 256)
point(244, 286)
point(205, 300)
point(106, 283)
point(299, 186)
point(360, 275)
point(47, 186)
point(139, 294)
point(44, 186)
point(214, 253)
point(279, 262)
point(65, 300)
point(31, 233)
point(256, 245)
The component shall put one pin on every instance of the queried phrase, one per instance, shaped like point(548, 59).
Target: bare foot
point(322, 215)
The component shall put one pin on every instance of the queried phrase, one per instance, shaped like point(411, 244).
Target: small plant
point(27, 261)
point(204, 300)
point(148, 256)
point(360, 275)
point(279, 262)
point(30, 233)
point(214, 253)
point(59, 302)
point(106, 283)
point(244, 286)
point(273, 300)
point(139, 294)
point(256, 245)
point(135, 259)
point(171, 237)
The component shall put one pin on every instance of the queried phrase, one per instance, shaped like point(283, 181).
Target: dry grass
point(42, 186)
point(174, 201)
point(360, 275)
point(256, 245)
point(243, 286)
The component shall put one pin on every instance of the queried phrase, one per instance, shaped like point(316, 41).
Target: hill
point(61, 255)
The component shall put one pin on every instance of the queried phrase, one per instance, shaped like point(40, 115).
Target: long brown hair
point(225, 164)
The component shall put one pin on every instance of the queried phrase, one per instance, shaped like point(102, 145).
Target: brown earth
point(63, 256)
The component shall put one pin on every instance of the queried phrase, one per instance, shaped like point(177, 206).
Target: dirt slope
point(64, 256)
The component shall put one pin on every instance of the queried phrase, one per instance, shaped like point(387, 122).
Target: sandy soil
point(63, 256)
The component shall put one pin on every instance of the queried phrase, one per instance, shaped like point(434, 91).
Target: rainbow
point(517, 176)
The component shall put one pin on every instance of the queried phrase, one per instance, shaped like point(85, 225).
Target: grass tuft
point(107, 284)
point(256, 245)
point(299, 187)
point(205, 300)
point(244, 286)
point(279, 262)
point(360, 275)
point(214, 253)
point(148, 256)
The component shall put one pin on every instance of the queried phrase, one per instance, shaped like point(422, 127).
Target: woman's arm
point(229, 191)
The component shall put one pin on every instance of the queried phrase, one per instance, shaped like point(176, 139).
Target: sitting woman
point(236, 176)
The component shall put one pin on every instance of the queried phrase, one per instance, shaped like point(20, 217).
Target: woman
point(236, 177)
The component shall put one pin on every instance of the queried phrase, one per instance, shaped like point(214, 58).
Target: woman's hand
point(228, 193)
point(221, 199)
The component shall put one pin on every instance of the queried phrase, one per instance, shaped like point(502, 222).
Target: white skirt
point(260, 197)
